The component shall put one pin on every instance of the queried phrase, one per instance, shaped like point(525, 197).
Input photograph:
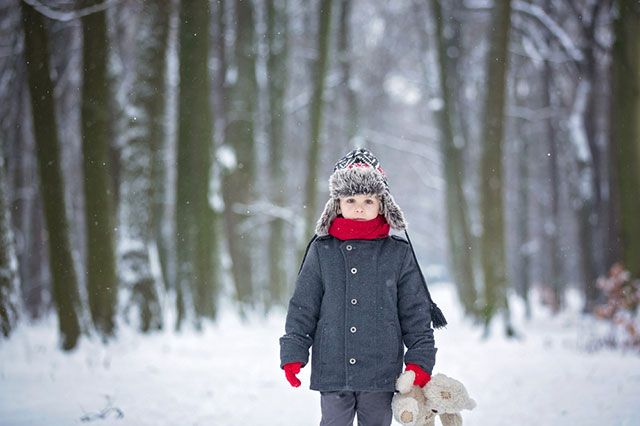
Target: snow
point(229, 374)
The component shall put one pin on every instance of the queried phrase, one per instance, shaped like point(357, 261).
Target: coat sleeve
point(415, 316)
point(303, 312)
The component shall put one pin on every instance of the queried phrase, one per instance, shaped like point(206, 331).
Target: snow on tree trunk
point(143, 106)
point(9, 300)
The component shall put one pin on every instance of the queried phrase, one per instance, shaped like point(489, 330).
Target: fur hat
point(359, 172)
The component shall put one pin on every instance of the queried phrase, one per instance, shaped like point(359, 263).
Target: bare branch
point(69, 15)
point(563, 38)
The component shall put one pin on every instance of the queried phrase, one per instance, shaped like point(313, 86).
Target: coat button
point(354, 270)
point(354, 301)
point(352, 361)
point(349, 247)
point(353, 329)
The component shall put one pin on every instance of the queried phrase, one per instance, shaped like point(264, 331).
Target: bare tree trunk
point(594, 263)
point(524, 255)
point(64, 280)
point(157, 104)
point(316, 115)
point(625, 129)
point(239, 184)
point(197, 284)
point(33, 259)
point(551, 227)
point(277, 34)
point(102, 282)
point(142, 141)
point(492, 204)
point(344, 60)
point(458, 232)
point(586, 213)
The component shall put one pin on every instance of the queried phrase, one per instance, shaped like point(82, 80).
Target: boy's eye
point(350, 200)
point(369, 201)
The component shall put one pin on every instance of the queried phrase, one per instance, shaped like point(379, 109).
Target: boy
point(359, 297)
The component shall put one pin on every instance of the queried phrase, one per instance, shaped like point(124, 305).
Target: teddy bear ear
point(405, 382)
point(471, 404)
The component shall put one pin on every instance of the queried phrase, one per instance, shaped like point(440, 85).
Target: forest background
point(161, 159)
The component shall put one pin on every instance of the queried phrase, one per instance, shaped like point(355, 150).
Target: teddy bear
point(443, 396)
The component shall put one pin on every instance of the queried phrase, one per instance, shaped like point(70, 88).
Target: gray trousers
point(372, 408)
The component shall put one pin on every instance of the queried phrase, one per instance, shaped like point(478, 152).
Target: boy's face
point(360, 207)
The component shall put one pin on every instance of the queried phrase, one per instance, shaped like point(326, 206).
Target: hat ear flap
point(329, 213)
point(392, 212)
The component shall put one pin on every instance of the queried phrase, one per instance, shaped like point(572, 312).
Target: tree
point(316, 114)
point(491, 204)
point(277, 34)
point(585, 132)
point(64, 280)
point(143, 136)
point(458, 232)
point(196, 243)
point(239, 182)
point(344, 61)
point(102, 284)
point(625, 116)
point(551, 136)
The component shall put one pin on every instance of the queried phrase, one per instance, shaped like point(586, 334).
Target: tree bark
point(344, 60)
point(277, 34)
point(551, 224)
point(197, 281)
point(64, 279)
point(593, 237)
point(492, 204)
point(239, 183)
point(102, 282)
point(625, 129)
point(458, 232)
point(139, 175)
point(316, 116)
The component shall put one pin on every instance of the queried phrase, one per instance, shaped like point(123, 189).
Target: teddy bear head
point(444, 395)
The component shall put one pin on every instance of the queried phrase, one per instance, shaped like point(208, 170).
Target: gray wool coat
point(357, 303)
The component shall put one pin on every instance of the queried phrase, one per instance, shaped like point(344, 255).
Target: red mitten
point(422, 377)
point(290, 371)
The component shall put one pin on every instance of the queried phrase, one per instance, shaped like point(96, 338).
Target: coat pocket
point(317, 348)
point(395, 339)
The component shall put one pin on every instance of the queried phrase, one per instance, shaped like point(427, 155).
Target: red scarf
point(350, 229)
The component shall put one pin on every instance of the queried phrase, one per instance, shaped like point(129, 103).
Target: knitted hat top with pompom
point(359, 172)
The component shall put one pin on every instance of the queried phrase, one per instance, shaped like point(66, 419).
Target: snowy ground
point(229, 375)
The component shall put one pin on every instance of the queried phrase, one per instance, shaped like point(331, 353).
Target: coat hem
point(344, 388)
